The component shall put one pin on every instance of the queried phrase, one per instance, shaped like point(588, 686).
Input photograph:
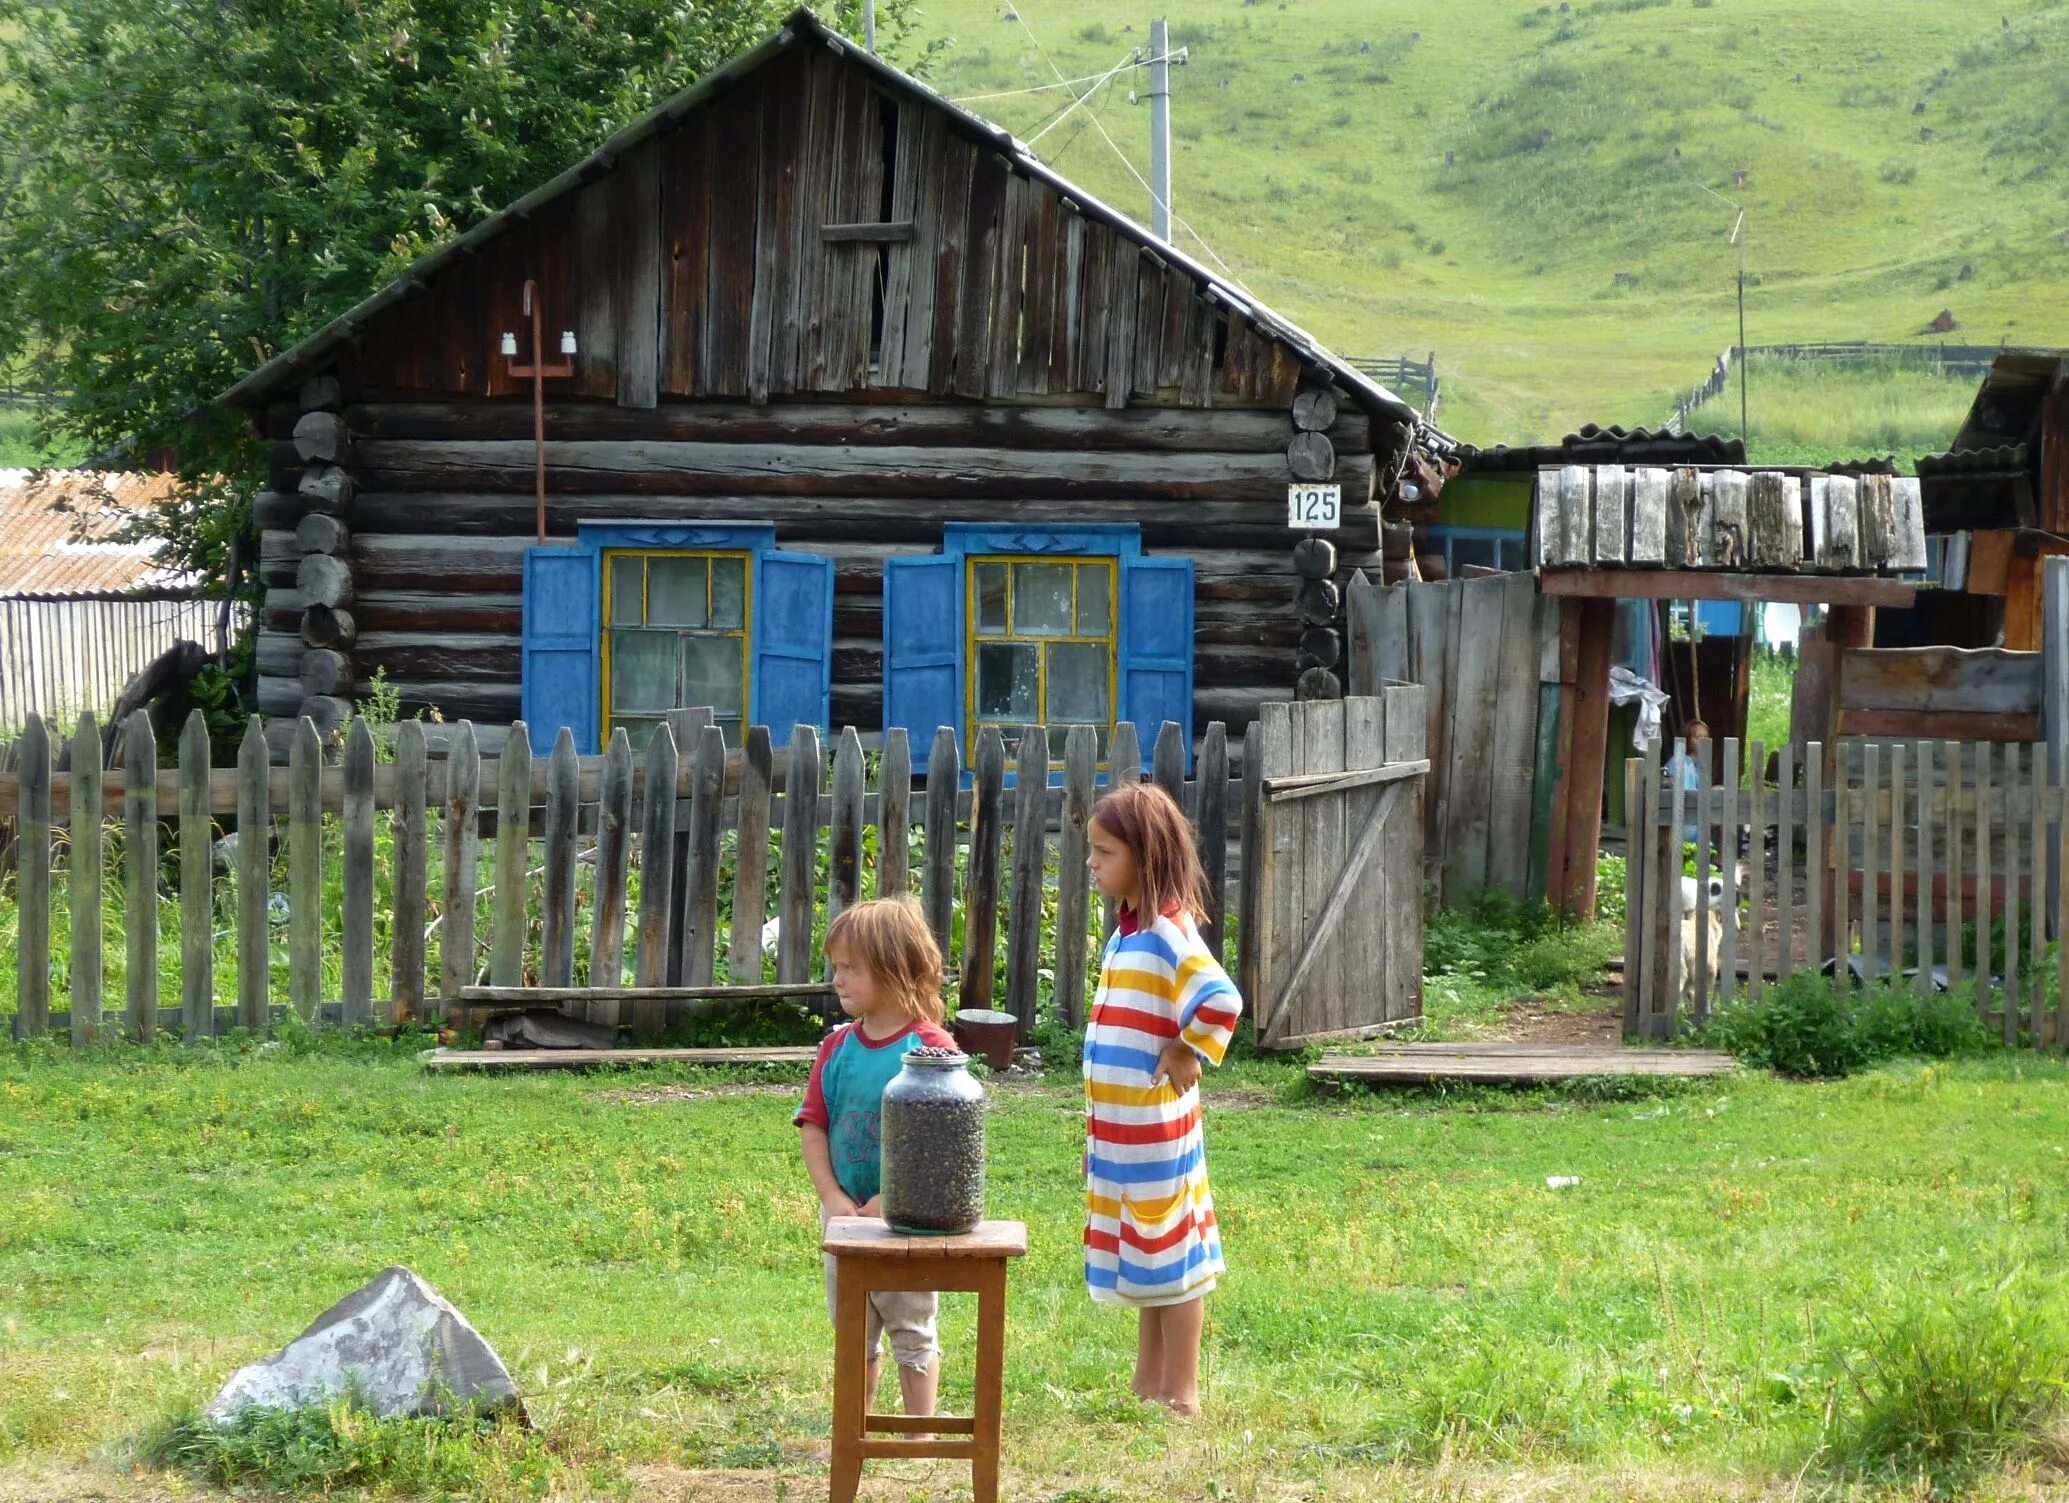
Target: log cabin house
point(856, 413)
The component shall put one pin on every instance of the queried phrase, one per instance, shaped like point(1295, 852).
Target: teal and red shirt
point(845, 1095)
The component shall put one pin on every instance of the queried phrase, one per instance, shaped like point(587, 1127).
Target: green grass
point(21, 448)
point(1754, 1280)
point(1522, 190)
point(1482, 954)
point(1808, 412)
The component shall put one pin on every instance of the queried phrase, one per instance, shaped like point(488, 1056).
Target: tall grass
point(1811, 411)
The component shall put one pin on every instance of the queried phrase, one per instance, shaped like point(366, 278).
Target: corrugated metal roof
point(1613, 445)
point(293, 364)
point(58, 531)
point(1999, 459)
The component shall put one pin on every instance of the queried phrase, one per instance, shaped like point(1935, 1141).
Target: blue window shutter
point(923, 649)
point(792, 632)
point(1157, 648)
point(560, 644)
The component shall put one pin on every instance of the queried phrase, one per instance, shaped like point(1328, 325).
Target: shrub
point(1950, 1386)
point(1810, 1026)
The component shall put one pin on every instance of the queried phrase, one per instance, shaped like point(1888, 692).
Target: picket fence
point(1933, 865)
point(551, 818)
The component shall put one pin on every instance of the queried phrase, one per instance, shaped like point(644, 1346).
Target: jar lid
point(935, 1059)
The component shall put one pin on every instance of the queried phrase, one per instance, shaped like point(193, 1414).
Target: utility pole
point(1160, 131)
point(869, 25)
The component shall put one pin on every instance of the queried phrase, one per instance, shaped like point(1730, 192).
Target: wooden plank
point(197, 881)
point(894, 821)
point(688, 725)
point(1672, 909)
point(1951, 755)
point(1707, 810)
point(1870, 796)
point(1124, 756)
point(2013, 996)
point(1897, 764)
point(1774, 520)
point(1893, 724)
point(1785, 867)
point(1690, 584)
point(1923, 854)
point(1612, 520)
point(2036, 892)
point(1640, 1001)
point(656, 869)
point(1406, 1069)
point(254, 817)
point(1210, 818)
point(1479, 626)
point(1167, 761)
point(140, 877)
point(84, 871)
point(944, 772)
point(32, 881)
point(513, 855)
point(1727, 512)
point(512, 1060)
point(1364, 932)
point(1430, 620)
point(1318, 732)
point(700, 874)
point(1648, 508)
point(305, 873)
point(1985, 894)
point(751, 865)
point(1248, 908)
point(1513, 764)
point(1844, 805)
point(1838, 541)
point(1945, 680)
point(2061, 848)
point(1586, 755)
point(1278, 857)
point(1030, 851)
point(1073, 884)
point(1814, 847)
point(981, 886)
point(358, 963)
point(798, 898)
point(613, 860)
point(637, 235)
point(557, 901)
point(406, 951)
point(2054, 675)
point(457, 960)
point(844, 866)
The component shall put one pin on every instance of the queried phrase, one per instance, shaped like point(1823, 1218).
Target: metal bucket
point(988, 1035)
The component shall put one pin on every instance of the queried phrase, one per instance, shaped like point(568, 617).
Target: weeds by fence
point(713, 867)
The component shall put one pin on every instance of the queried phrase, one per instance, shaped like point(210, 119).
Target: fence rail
point(1401, 375)
point(1930, 864)
point(562, 870)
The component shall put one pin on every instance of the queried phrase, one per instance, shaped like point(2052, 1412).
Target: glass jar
point(933, 1145)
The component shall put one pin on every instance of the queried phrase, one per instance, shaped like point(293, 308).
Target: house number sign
point(1314, 507)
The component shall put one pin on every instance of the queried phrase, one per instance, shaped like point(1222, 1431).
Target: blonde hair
point(889, 938)
point(1145, 819)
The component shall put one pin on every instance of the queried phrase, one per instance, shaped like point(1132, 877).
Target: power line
point(1103, 79)
point(1045, 88)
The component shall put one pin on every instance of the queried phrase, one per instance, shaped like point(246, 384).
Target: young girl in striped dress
point(1164, 1008)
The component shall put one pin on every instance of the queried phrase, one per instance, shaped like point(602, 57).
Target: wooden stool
point(870, 1256)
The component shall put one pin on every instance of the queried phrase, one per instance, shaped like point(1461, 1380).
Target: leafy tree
point(190, 186)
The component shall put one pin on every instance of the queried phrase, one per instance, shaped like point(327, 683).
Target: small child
point(1164, 1007)
point(887, 974)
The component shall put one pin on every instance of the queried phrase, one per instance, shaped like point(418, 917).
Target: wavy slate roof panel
point(58, 531)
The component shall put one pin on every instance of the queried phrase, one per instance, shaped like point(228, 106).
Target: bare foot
point(1185, 1409)
point(1143, 1391)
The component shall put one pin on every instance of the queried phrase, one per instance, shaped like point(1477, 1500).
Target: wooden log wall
point(442, 511)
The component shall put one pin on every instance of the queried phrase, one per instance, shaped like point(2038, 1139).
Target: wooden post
point(981, 884)
point(254, 838)
point(844, 863)
point(305, 874)
point(1986, 898)
point(456, 958)
point(1030, 853)
point(197, 884)
point(613, 859)
point(1073, 886)
point(1585, 759)
point(1211, 819)
point(800, 857)
point(406, 945)
point(751, 868)
point(894, 816)
point(1814, 848)
point(1248, 904)
point(140, 869)
point(1785, 866)
point(1922, 843)
point(1951, 755)
point(32, 883)
point(700, 875)
point(511, 916)
point(944, 774)
point(359, 874)
point(2054, 701)
point(83, 881)
point(1871, 818)
point(1896, 862)
point(557, 902)
point(656, 872)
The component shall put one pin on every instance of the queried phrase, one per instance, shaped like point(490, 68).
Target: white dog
point(1713, 916)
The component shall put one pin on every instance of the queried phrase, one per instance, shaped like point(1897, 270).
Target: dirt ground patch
point(1530, 1021)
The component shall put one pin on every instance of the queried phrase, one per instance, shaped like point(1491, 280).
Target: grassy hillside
point(1520, 187)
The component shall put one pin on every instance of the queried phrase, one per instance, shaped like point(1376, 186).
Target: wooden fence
point(62, 655)
point(1922, 863)
point(560, 837)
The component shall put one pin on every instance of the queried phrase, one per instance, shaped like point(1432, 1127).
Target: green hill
point(1520, 187)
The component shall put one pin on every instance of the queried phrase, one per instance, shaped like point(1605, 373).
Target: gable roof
point(803, 27)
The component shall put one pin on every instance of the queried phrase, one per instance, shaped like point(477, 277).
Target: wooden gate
point(1339, 829)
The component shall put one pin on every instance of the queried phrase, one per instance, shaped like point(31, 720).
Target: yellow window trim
point(1110, 639)
point(744, 632)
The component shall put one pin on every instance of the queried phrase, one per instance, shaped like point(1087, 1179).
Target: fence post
point(1814, 873)
point(197, 884)
point(656, 872)
point(1211, 804)
point(406, 951)
point(359, 874)
point(84, 881)
point(700, 873)
point(305, 875)
point(944, 775)
point(456, 961)
point(894, 816)
point(513, 858)
point(844, 843)
point(32, 1017)
point(1073, 886)
point(1247, 918)
point(613, 850)
point(800, 858)
point(1030, 859)
point(254, 861)
point(751, 868)
point(557, 903)
point(981, 883)
point(140, 867)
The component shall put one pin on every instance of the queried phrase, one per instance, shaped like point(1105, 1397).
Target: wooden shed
point(854, 413)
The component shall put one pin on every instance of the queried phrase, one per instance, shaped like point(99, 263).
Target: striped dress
point(1149, 1227)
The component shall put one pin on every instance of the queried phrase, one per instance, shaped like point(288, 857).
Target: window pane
point(676, 591)
point(1095, 584)
point(1077, 683)
point(1006, 681)
point(711, 675)
point(625, 589)
point(991, 598)
point(1480, 551)
point(642, 671)
point(729, 593)
point(1041, 599)
point(638, 732)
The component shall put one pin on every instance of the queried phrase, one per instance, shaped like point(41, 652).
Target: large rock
point(404, 1347)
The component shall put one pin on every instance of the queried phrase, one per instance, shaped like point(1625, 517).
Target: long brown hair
point(1142, 817)
point(889, 938)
